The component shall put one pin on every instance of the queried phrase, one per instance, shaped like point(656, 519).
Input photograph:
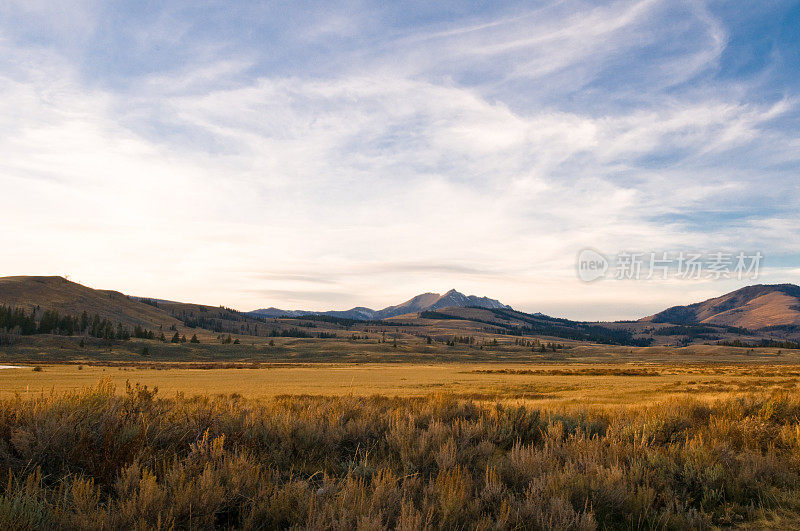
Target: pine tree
point(69, 325)
point(108, 330)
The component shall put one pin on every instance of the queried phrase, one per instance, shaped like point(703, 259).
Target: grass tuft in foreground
point(98, 460)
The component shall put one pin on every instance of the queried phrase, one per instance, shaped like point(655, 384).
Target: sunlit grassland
point(540, 384)
point(107, 458)
point(372, 436)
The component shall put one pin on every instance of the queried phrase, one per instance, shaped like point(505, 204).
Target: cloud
point(294, 277)
point(300, 298)
point(65, 23)
point(222, 181)
point(372, 269)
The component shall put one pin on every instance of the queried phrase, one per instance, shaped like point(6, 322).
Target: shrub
point(102, 459)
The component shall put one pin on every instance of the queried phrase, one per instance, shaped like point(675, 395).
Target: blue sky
point(323, 155)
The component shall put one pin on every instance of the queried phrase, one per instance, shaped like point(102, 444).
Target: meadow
point(112, 458)
point(548, 445)
point(543, 385)
point(398, 433)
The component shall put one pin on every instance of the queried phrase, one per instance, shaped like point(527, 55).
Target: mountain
point(420, 303)
point(454, 299)
point(752, 307)
point(277, 312)
point(434, 301)
point(751, 314)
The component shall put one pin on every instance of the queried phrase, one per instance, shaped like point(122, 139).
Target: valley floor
point(539, 384)
point(124, 458)
point(259, 436)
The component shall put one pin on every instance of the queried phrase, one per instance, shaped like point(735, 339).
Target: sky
point(323, 155)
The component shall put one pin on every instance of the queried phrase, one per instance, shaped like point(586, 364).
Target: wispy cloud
point(293, 298)
point(479, 154)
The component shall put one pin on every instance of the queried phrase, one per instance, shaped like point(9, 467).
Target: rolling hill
point(507, 321)
point(70, 298)
point(751, 307)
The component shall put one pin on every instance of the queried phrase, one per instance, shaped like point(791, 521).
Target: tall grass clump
point(98, 459)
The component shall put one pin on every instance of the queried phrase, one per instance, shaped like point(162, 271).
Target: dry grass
point(541, 385)
point(409, 446)
point(584, 371)
point(100, 459)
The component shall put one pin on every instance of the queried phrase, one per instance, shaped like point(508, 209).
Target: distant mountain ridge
point(756, 313)
point(420, 303)
point(751, 307)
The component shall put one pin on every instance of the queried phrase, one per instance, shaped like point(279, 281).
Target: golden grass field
point(126, 457)
point(539, 384)
point(396, 434)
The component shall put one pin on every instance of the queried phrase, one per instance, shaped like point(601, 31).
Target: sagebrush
point(99, 460)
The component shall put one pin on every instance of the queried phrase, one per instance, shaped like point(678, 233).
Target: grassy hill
point(58, 293)
point(752, 307)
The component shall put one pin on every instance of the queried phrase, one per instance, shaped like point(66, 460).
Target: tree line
point(19, 321)
point(764, 343)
